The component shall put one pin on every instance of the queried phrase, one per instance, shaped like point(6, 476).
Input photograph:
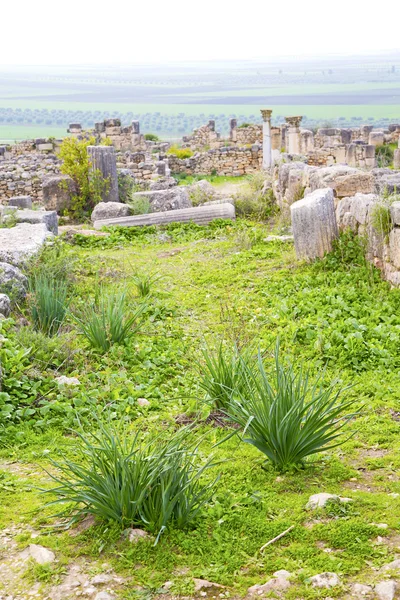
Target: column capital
point(266, 114)
point(293, 121)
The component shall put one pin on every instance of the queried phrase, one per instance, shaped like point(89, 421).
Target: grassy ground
point(222, 281)
point(14, 133)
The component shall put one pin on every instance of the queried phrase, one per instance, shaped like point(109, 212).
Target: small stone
point(386, 590)
point(64, 380)
point(394, 495)
point(100, 579)
point(103, 596)
point(167, 585)
point(200, 584)
point(5, 305)
point(143, 402)
point(280, 581)
point(320, 500)
point(360, 590)
point(325, 580)
point(382, 525)
point(134, 535)
point(40, 554)
point(392, 566)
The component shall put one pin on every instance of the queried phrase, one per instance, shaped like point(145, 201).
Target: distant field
point(12, 133)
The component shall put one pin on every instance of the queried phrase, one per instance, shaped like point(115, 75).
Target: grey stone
point(103, 159)
point(101, 579)
point(103, 596)
point(345, 181)
point(48, 217)
point(164, 200)
point(5, 305)
point(394, 246)
point(388, 182)
point(279, 238)
point(395, 212)
point(163, 183)
point(386, 590)
point(392, 566)
point(58, 191)
point(21, 242)
point(40, 554)
point(200, 584)
point(134, 535)
point(20, 201)
point(360, 590)
point(12, 281)
point(320, 500)
point(279, 582)
point(200, 215)
point(314, 224)
point(68, 381)
point(361, 206)
point(325, 580)
point(109, 210)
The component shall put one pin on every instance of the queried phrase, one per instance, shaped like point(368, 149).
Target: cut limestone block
point(21, 242)
point(103, 159)
point(109, 210)
point(58, 191)
point(173, 198)
point(200, 215)
point(314, 224)
point(21, 201)
point(48, 217)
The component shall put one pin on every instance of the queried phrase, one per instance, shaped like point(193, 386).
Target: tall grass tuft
point(223, 373)
point(48, 303)
point(286, 417)
point(106, 321)
point(134, 479)
point(145, 282)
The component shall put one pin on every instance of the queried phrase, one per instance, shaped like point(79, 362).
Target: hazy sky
point(138, 31)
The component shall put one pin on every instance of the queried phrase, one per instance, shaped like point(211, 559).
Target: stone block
point(103, 159)
point(21, 242)
point(314, 224)
point(20, 201)
point(58, 191)
point(49, 218)
point(395, 212)
point(12, 282)
point(394, 247)
point(164, 200)
point(344, 180)
point(109, 210)
point(376, 138)
point(47, 147)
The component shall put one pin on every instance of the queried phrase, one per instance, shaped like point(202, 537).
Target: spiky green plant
point(48, 303)
point(145, 282)
point(133, 479)
point(109, 321)
point(285, 416)
point(222, 373)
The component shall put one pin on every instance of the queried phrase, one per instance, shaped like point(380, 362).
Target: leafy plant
point(384, 155)
point(145, 282)
point(151, 137)
point(180, 152)
point(286, 417)
point(139, 205)
point(89, 182)
point(134, 479)
point(223, 373)
point(48, 303)
point(381, 219)
point(105, 322)
point(256, 205)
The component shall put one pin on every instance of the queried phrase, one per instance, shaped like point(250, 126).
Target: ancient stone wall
point(231, 161)
point(203, 137)
point(139, 163)
point(22, 174)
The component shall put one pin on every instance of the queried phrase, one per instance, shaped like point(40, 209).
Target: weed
point(48, 303)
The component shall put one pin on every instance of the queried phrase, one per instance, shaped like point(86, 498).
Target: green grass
point(12, 133)
point(336, 314)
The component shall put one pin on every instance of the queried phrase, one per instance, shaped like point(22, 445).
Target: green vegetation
point(151, 137)
point(180, 152)
point(221, 298)
point(48, 303)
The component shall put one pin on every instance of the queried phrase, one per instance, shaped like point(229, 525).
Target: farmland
point(173, 100)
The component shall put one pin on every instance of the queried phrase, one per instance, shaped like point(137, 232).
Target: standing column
point(233, 130)
point(103, 158)
point(267, 154)
point(293, 133)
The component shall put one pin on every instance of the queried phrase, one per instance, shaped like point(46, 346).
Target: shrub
point(89, 183)
point(381, 219)
point(384, 155)
point(223, 373)
point(151, 137)
point(134, 479)
point(287, 418)
point(48, 303)
point(139, 205)
point(105, 322)
point(256, 205)
point(180, 152)
point(244, 125)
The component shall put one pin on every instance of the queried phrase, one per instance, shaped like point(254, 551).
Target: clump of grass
point(285, 416)
point(223, 373)
point(48, 303)
point(134, 479)
point(381, 219)
point(106, 321)
point(145, 282)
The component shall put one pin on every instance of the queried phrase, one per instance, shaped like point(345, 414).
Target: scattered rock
point(101, 579)
point(320, 500)
point(325, 580)
point(279, 238)
point(200, 584)
point(48, 217)
point(163, 183)
point(58, 191)
point(69, 381)
point(20, 201)
point(134, 535)
point(12, 282)
point(386, 590)
point(279, 581)
point(109, 210)
point(103, 596)
point(143, 402)
point(164, 200)
point(40, 554)
point(392, 566)
point(360, 590)
point(5, 305)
